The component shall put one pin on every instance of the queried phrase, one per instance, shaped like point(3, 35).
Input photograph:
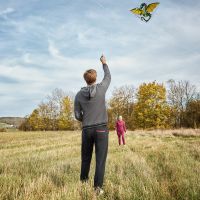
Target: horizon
point(44, 46)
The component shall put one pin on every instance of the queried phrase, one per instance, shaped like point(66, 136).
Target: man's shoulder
point(78, 94)
point(100, 85)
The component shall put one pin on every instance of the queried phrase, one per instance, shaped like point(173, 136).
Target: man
point(90, 109)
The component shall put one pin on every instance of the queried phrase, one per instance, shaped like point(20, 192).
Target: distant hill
point(15, 121)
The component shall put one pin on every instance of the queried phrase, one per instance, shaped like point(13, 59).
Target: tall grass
point(153, 165)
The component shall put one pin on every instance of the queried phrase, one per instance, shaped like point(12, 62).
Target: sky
point(49, 44)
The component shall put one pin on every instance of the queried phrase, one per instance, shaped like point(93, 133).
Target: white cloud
point(6, 11)
point(27, 58)
point(23, 73)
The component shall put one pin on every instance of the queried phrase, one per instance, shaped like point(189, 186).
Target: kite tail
point(146, 20)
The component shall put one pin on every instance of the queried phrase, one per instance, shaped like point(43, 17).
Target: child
point(120, 129)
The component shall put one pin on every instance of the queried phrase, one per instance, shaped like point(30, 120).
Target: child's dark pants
point(97, 136)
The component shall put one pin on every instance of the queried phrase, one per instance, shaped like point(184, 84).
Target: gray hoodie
point(90, 104)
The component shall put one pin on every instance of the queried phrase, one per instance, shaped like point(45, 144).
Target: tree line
point(150, 106)
point(55, 113)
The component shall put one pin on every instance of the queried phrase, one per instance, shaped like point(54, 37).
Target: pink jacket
point(120, 126)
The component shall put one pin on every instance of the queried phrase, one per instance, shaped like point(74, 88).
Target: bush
point(2, 129)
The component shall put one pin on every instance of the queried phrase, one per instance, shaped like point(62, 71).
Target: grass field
point(153, 165)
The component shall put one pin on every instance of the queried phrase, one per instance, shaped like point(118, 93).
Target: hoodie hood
point(89, 91)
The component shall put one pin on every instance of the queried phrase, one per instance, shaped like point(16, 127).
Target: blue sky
point(49, 44)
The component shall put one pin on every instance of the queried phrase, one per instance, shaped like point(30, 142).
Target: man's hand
point(103, 59)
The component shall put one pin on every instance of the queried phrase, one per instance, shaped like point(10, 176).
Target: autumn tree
point(25, 125)
point(180, 93)
point(54, 104)
point(55, 113)
point(121, 103)
point(192, 114)
point(151, 109)
point(45, 113)
point(65, 121)
point(35, 121)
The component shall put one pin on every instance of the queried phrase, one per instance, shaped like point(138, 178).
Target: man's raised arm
point(107, 76)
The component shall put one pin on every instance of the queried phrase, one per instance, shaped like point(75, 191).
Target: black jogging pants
point(98, 137)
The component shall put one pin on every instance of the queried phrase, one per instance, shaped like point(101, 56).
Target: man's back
point(90, 105)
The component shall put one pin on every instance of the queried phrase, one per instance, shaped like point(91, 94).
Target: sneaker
point(99, 191)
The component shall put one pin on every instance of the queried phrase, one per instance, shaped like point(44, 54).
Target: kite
point(145, 11)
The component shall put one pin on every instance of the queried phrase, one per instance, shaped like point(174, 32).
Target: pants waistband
point(95, 125)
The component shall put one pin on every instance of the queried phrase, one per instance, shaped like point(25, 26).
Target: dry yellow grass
point(153, 165)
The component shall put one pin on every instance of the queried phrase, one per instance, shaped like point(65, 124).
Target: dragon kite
point(144, 11)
